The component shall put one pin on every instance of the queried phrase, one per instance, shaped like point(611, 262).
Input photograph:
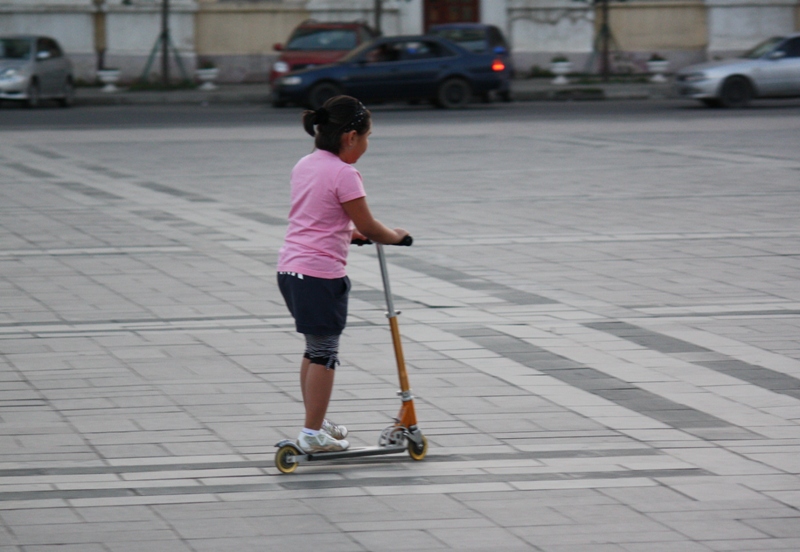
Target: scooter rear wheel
point(281, 459)
point(418, 452)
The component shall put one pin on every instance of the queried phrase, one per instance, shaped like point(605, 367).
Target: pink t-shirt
point(319, 232)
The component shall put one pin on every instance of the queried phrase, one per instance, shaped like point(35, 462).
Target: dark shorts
point(318, 305)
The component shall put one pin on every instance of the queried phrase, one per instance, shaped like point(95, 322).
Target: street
point(600, 319)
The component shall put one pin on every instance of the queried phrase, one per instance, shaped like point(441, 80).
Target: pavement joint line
point(616, 391)
point(159, 488)
point(737, 157)
point(148, 321)
point(434, 458)
point(85, 251)
point(611, 238)
point(762, 377)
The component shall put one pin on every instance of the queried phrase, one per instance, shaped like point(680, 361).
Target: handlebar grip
point(406, 241)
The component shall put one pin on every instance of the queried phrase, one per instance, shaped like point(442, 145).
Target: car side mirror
point(778, 54)
point(278, 47)
point(43, 55)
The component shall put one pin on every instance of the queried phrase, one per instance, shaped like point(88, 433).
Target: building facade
point(239, 35)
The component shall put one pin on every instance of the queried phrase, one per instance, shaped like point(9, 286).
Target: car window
point(791, 48)
point(405, 51)
point(15, 48)
point(496, 38)
point(384, 53)
point(365, 35)
point(422, 50)
point(41, 45)
point(323, 39)
point(764, 48)
point(52, 47)
point(473, 40)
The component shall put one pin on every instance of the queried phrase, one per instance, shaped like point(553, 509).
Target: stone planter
point(657, 70)
point(110, 78)
point(561, 69)
point(207, 77)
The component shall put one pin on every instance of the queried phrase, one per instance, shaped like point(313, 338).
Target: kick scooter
point(397, 438)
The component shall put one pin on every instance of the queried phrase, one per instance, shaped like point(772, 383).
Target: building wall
point(239, 34)
point(239, 37)
point(737, 25)
point(538, 30)
point(131, 31)
point(677, 31)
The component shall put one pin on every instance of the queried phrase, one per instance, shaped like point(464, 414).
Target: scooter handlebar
point(406, 241)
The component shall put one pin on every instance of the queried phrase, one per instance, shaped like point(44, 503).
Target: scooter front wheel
point(282, 461)
point(418, 452)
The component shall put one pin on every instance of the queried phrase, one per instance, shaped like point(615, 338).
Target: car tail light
point(498, 65)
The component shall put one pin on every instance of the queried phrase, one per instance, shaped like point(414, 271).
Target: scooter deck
point(349, 453)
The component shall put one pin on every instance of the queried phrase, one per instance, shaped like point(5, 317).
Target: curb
point(524, 91)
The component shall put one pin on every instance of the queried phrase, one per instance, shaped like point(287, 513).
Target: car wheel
point(454, 94)
point(67, 94)
point(736, 92)
point(34, 97)
point(321, 93)
point(711, 102)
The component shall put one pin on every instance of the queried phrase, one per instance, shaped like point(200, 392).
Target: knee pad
point(323, 349)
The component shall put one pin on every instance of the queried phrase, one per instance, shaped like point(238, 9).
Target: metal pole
point(165, 42)
point(100, 33)
point(605, 33)
point(378, 15)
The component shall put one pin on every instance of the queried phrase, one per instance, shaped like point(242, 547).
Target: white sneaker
point(334, 430)
point(322, 442)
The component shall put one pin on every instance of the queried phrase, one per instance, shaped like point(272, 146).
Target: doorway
point(451, 11)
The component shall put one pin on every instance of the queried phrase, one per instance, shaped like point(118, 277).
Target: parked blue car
point(398, 68)
point(480, 39)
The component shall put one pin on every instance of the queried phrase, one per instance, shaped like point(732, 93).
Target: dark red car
point(315, 43)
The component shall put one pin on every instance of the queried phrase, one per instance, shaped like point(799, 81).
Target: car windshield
point(15, 48)
point(764, 48)
point(358, 52)
point(323, 39)
point(473, 40)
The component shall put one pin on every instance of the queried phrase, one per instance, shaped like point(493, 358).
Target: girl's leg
point(317, 389)
point(303, 376)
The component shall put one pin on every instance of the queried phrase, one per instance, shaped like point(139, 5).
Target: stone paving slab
point(599, 321)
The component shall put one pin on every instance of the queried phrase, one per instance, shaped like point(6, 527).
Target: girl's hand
point(359, 239)
point(400, 234)
point(358, 236)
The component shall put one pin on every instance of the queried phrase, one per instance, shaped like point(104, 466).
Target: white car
point(770, 70)
point(34, 68)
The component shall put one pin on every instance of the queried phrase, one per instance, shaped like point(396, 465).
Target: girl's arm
point(369, 226)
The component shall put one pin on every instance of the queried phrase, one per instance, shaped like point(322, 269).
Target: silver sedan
point(34, 68)
point(770, 70)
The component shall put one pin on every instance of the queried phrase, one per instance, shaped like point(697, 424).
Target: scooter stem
point(387, 288)
point(407, 414)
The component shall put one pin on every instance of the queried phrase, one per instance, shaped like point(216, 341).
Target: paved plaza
point(600, 318)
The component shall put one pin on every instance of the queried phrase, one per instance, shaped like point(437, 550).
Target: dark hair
point(337, 116)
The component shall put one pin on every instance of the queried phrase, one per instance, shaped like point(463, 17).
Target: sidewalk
point(600, 321)
point(524, 90)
